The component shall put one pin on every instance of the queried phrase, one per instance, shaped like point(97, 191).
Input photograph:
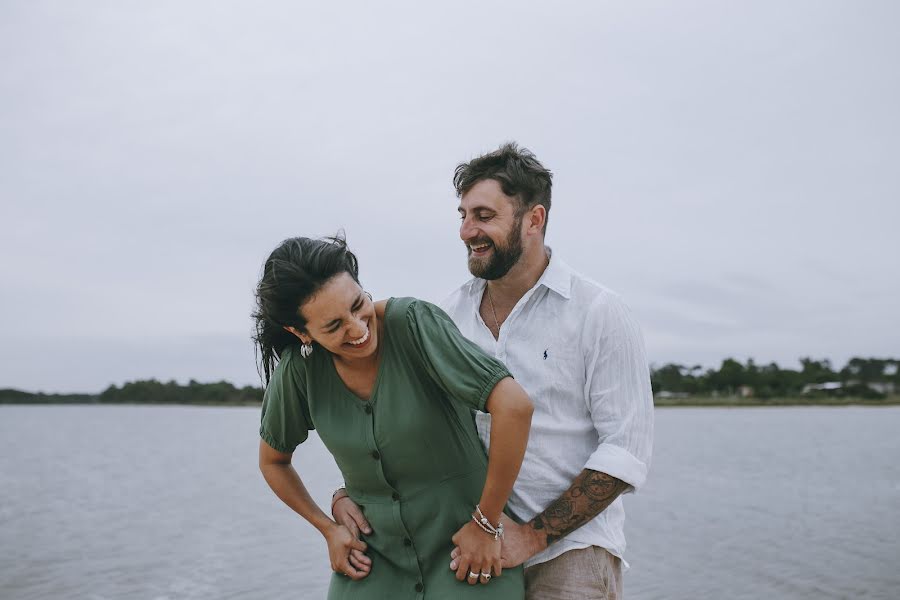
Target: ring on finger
point(487, 576)
point(473, 575)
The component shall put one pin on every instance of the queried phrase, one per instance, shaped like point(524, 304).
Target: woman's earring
point(368, 294)
point(306, 350)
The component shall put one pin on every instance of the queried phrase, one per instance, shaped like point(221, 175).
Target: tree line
point(870, 378)
point(148, 391)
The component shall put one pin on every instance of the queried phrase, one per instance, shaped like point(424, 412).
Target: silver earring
point(305, 350)
point(368, 294)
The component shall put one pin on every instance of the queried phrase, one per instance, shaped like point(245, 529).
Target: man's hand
point(341, 544)
point(519, 544)
point(347, 513)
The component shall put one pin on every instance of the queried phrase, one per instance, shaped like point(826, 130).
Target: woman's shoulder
point(407, 310)
point(291, 365)
point(410, 319)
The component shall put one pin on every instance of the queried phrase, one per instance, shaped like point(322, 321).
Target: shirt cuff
point(274, 443)
point(619, 463)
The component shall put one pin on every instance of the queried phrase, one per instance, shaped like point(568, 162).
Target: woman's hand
point(340, 543)
point(479, 554)
point(346, 512)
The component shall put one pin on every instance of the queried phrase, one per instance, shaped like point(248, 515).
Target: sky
point(729, 168)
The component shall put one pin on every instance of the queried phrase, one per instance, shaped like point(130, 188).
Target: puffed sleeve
point(285, 421)
point(464, 371)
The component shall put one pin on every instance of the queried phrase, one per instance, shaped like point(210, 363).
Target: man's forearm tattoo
point(587, 497)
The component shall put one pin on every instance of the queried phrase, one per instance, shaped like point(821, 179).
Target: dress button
point(407, 542)
point(395, 496)
point(375, 454)
point(368, 409)
point(419, 587)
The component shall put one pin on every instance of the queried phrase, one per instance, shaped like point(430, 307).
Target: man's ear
point(537, 216)
point(302, 336)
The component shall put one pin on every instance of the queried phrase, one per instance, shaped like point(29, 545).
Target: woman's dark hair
point(517, 170)
point(293, 273)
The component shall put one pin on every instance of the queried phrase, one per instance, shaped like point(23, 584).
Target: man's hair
point(518, 172)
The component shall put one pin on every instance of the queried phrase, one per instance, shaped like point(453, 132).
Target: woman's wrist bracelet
point(338, 494)
point(482, 521)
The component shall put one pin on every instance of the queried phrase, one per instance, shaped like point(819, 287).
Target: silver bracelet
point(482, 521)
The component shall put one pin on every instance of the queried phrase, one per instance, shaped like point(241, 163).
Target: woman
point(390, 388)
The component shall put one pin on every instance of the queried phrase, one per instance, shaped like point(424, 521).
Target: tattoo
point(587, 497)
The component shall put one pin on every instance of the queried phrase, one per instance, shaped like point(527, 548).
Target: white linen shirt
point(578, 352)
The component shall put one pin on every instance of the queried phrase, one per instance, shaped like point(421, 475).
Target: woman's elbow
point(512, 400)
point(525, 407)
point(269, 457)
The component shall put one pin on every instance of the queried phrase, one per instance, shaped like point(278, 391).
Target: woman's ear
point(302, 336)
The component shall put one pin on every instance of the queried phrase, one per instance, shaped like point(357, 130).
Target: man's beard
point(502, 258)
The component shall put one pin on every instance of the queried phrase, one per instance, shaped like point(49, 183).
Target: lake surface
point(160, 503)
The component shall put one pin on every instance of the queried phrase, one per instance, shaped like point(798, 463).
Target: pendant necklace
point(493, 310)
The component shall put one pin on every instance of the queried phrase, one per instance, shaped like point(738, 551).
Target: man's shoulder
point(589, 294)
point(458, 299)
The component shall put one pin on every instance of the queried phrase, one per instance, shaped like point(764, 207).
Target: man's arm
point(587, 497)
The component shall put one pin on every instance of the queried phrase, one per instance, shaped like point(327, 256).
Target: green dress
point(410, 455)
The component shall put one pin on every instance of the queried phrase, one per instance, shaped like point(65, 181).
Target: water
point(158, 503)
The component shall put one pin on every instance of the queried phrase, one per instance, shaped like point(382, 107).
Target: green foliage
point(156, 392)
point(148, 392)
point(860, 378)
point(11, 396)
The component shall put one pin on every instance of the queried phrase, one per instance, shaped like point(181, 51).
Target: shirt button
point(368, 409)
point(407, 542)
point(395, 496)
point(419, 587)
point(375, 454)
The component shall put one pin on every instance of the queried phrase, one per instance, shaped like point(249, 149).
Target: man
point(575, 348)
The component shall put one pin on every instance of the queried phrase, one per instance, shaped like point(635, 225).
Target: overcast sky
point(730, 168)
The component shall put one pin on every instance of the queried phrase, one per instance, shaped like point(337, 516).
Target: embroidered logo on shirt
point(545, 353)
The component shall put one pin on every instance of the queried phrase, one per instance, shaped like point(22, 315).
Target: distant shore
point(734, 401)
point(27, 399)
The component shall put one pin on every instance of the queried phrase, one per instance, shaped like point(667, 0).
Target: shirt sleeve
point(285, 421)
point(464, 371)
point(618, 391)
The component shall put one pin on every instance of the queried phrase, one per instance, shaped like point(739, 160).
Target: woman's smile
point(361, 342)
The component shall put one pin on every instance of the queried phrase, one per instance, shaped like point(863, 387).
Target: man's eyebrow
point(476, 209)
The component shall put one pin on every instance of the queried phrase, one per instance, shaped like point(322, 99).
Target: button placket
point(410, 550)
point(396, 504)
point(518, 308)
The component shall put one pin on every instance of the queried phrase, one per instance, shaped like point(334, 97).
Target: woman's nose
point(357, 328)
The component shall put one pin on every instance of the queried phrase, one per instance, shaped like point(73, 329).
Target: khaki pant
point(586, 574)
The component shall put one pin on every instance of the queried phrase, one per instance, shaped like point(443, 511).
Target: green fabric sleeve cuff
point(271, 441)
point(496, 378)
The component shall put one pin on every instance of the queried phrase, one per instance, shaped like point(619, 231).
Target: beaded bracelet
point(482, 521)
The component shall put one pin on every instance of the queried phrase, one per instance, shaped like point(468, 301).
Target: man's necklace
point(493, 310)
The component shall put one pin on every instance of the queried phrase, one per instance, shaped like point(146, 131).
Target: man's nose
point(466, 230)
